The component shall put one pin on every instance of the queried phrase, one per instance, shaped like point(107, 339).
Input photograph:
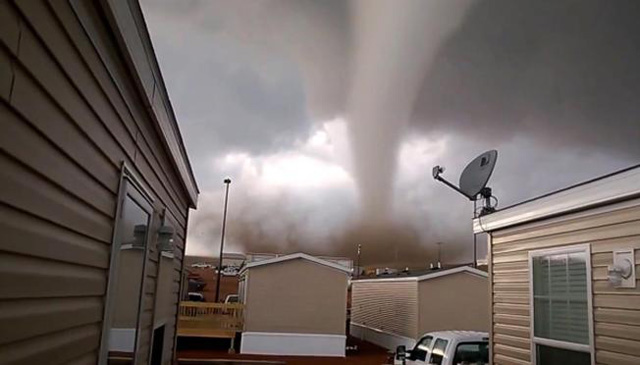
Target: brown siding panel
point(440, 308)
point(513, 341)
point(26, 234)
point(59, 45)
point(53, 348)
point(24, 189)
point(52, 122)
point(616, 310)
point(613, 358)
point(29, 277)
point(52, 79)
point(622, 316)
point(22, 318)
point(513, 352)
point(501, 359)
point(45, 158)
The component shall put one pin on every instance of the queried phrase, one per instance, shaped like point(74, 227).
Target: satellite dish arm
point(444, 181)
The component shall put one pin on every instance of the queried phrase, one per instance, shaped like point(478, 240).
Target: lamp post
point(227, 182)
point(358, 262)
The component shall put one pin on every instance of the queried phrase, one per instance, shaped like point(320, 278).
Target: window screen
point(437, 354)
point(560, 297)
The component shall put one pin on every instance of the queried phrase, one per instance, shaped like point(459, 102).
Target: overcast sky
point(328, 115)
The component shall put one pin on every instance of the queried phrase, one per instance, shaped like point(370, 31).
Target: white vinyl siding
point(390, 306)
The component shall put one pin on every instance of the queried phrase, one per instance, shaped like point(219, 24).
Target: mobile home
point(95, 187)
point(563, 278)
point(394, 311)
point(294, 305)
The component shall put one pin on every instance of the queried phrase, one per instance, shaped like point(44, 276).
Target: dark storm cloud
point(563, 72)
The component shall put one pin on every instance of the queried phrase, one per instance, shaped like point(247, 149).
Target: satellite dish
point(473, 181)
point(477, 173)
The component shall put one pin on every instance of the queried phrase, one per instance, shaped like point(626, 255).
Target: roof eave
point(432, 275)
point(294, 256)
point(143, 65)
point(619, 186)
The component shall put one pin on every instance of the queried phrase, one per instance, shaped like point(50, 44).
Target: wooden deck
point(212, 320)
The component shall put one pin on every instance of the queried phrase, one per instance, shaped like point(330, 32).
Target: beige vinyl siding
point(454, 302)
point(615, 311)
point(70, 115)
point(390, 306)
point(296, 296)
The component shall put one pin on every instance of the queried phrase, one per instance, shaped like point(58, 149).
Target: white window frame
point(590, 348)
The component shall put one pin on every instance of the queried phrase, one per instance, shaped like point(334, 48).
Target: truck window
point(421, 350)
point(471, 353)
point(437, 354)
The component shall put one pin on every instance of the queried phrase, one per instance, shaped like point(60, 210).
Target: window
point(472, 353)
point(421, 350)
point(437, 354)
point(128, 256)
point(561, 294)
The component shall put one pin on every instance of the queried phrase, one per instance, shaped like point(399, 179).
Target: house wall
point(70, 116)
point(296, 296)
point(388, 306)
point(616, 311)
point(454, 302)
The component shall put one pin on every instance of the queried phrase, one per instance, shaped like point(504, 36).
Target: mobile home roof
point(618, 186)
point(293, 257)
point(432, 275)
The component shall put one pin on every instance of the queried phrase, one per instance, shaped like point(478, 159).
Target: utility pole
point(227, 181)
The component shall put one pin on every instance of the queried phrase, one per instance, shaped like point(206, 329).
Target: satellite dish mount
point(473, 185)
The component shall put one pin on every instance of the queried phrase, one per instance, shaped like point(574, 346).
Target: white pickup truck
point(446, 348)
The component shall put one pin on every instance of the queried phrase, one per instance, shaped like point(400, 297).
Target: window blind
point(560, 297)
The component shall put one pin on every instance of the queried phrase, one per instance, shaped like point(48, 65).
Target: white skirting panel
point(302, 344)
point(384, 339)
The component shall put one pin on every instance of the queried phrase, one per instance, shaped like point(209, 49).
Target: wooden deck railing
point(199, 319)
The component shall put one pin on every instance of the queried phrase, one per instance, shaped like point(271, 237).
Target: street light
point(227, 182)
point(358, 261)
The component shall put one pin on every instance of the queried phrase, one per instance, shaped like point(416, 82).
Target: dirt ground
point(198, 351)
